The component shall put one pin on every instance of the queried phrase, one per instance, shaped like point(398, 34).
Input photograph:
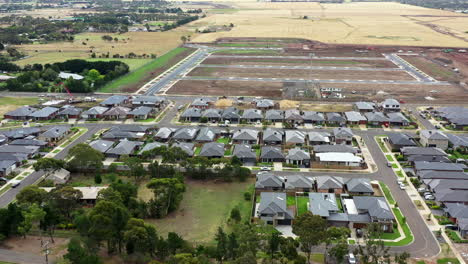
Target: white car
point(402, 186)
point(352, 258)
point(422, 189)
point(265, 169)
point(429, 197)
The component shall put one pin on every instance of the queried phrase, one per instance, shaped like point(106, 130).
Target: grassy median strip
point(387, 193)
point(406, 230)
point(389, 157)
point(6, 188)
point(381, 143)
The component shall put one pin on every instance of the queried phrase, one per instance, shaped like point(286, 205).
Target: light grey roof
point(116, 133)
point(151, 146)
point(18, 149)
point(444, 184)
point(245, 134)
point(298, 154)
point(164, 132)
point(114, 100)
point(414, 158)
point(21, 132)
point(71, 111)
point(359, 185)
point(313, 116)
point(428, 151)
point(457, 210)
point(458, 140)
point(141, 110)
point(274, 203)
point(96, 110)
point(212, 149)
point(189, 148)
point(132, 128)
point(376, 117)
point(433, 135)
point(298, 181)
point(55, 132)
point(293, 114)
point(269, 152)
point(334, 148)
point(329, 182)
point(244, 151)
point(462, 223)
point(45, 112)
point(5, 164)
point(201, 101)
point(28, 142)
point(365, 106)
point(252, 114)
point(264, 103)
point(101, 145)
point(273, 114)
point(438, 166)
point(268, 180)
point(22, 111)
point(322, 203)
point(147, 99)
point(206, 134)
point(74, 76)
point(319, 137)
point(335, 117)
point(295, 136)
point(342, 132)
point(401, 139)
point(430, 174)
point(212, 113)
point(125, 147)
point(377, 207)
point(230, 113)
point(397, 117)
point(272, 135)
point(187, 133)
point(353, 116)
point(191, 112)
point(447, 196)
point(390, 103)
point(17, 157)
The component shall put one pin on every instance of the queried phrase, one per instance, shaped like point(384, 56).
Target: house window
point(280, 214)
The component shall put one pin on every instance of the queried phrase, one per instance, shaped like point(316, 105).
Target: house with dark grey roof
point(443, 175)
point(444, 185)
point(124, 147)
point(458, 141)
point(433, 138)
point(212, 150)
point(397, 141)
point(95, 112)
point(378, 210)
point(335, 148)
point(438, 166)
point(274, 116)
point(6, 167)
point(413, 158)
point(452, 196)
point(245, 153)
point(398, 119)
point(342, 135)
point(101, 145)
point(141, 113)
point(318, 138)
point(150, 146)
point(45, 113)
point(245, 136)
point(22, 113)
point(115, 133)
point(133, 128)
point(390, 105)
point(377, 119)
point(293, 116)
point(148, 100)
point(30, 151)
point(70, 113)
point(17, 157)
point(364, 106)
point(21, 132)
point(272, 137)
point(202, 103)
point(252, 116)
point(355, 118)
point(456, 116)
point(192, 114)
point(55, 134)
point(207, 134)
point(458, 212)
point(188, 148)
point(164, 134)
point(271, 154)
point(299, 157)
point(295, 137)
point(231, 114)
point(117, 113)
point(29, 142)
point(335, 119)
point(359, 186)
point(272, 209)
point(298, 183)
point(115, 100)
point(185, 134)
point(212, 115)
point(263, 104)
point(421, 151)
point(330, 184)
point(266, 181)
point(323, 204)
point(311, 117)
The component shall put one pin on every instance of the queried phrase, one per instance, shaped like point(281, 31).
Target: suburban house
point(342, 135)
point(231, 114)
point(206, 134)
point(22, 113)
point(323, 204)
point(319, 138)
point(29, 142)
point(413, 154)
point(29, 151)
point(66, 75)
point(89, 194)
point(191, 114)
point(438, 166)
point(271, 154)
point(355, 118)
point(377, 208)
point(458, 212)
point(274, 116)
point(245, 136)
point(202, 103)
point(212, 150)
point(149, 101)
point(117, 113)
point(433, 138)
point(18, 158)
point(293, 116)
point(299, 157)
point(164, 134)
point(124, 147)
point(266, 181)
point(188, 148)
point(364, 107)
point(21, 132)
point(116, 133)
point(330, 184)
point(245, 153)
point(101, 145)
point(55, 134)
point(95, 112)
point(295, 137)
point(359, 186)
point(335, 148)
point(263, 104)
point(456, 116)
point(335, 119)
point(185, 134)
point(272, 137)
point(150, 146)
point(427, 175)
point(6, 167)
point(60, 176)
point(140, 113)
point(398, 119)
point(212, 115)
point(273, 210)
point(311, 117)
point(396, 141)
point(252, 116)
point(458, 141)
point(377, 119)
point(46, 113)
point(390, 105)
point(338, 159)
point(70, 113)
point(298, 183)
point(115, 100)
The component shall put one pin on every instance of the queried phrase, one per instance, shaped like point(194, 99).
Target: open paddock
point(227, 88)
point(300, 73)
point(432, 69)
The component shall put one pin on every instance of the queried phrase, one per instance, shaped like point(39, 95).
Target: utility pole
point(46, 250)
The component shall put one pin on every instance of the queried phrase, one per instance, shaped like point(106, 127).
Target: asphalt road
point(288, 67)
point(409, 68)
point(297, 57)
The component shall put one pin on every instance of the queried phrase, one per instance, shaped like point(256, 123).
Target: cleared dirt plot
point(298, 62)
point(306, 74)
point(432, 69)
point(227, 88)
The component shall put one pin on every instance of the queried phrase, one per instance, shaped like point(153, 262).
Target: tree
point(48, 164)
point(32, 217)
point(84, 157)
point(311, 230)
point(339, 250)
point(183, 39)
point(140, 237)
point(235, 214)
point(274, 241)
point(374, 248)
point(50, 221)
point(97, 178)
point(174, 242)
point(221, 245)
point(31, 194)
point(167, 195)
point(49, 74)
point(402, 258)
point(135, 165)
point(232, 246)
point(65, 199)
point(94, 75)
point(77, 254)
point(10, 220)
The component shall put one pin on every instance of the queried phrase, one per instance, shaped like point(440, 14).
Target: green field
point(132, 63)
point(204, 208)
point(11, 103)
point(140, 73)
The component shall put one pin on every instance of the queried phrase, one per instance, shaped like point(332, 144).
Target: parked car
point(451, 227)
point(427, 193)
point(429, 197)
point(422, 189)
point(15, 183)
point(389, 164)
point(359, 232)
point(402, 186)
point(352, 258)
point(265, 169)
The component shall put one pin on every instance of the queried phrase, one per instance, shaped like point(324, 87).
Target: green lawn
point(147, 120)
point(399, 173)
point(302, 204)
point(351, 241)
point(387, 193)
point(389, 157)
point(11, 103)
point(228, 152)
point(56, 151)
point(223, 140)
point(339, 204)
point(204, 208)
point(197, 151)
point(317, 258)
point(394, 165)
point(132, 63)
point(448, 260)
point(406, 230)
point(381, 143)
point(290, 200)
point(6, 188)
point(141, 72)
point(258, 152)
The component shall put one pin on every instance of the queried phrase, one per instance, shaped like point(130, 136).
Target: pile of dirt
point(288, 104)
point(222, 103)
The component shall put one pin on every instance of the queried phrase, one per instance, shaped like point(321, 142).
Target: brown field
point(432, 69)
point(227, 88)
point(305, 62)
point(297, 73)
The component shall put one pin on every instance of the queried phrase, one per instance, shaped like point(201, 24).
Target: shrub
point(247, 196)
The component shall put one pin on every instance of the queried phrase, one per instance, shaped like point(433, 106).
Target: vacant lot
point(294, 61)
point(432, 69)
point(205, 207)
point(227, 88)
point(297, 73)
point(11, 103)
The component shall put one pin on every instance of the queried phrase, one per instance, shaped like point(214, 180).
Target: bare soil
point(227, 88)
point(298, 73)
point(32, 245)
point(428, 66)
